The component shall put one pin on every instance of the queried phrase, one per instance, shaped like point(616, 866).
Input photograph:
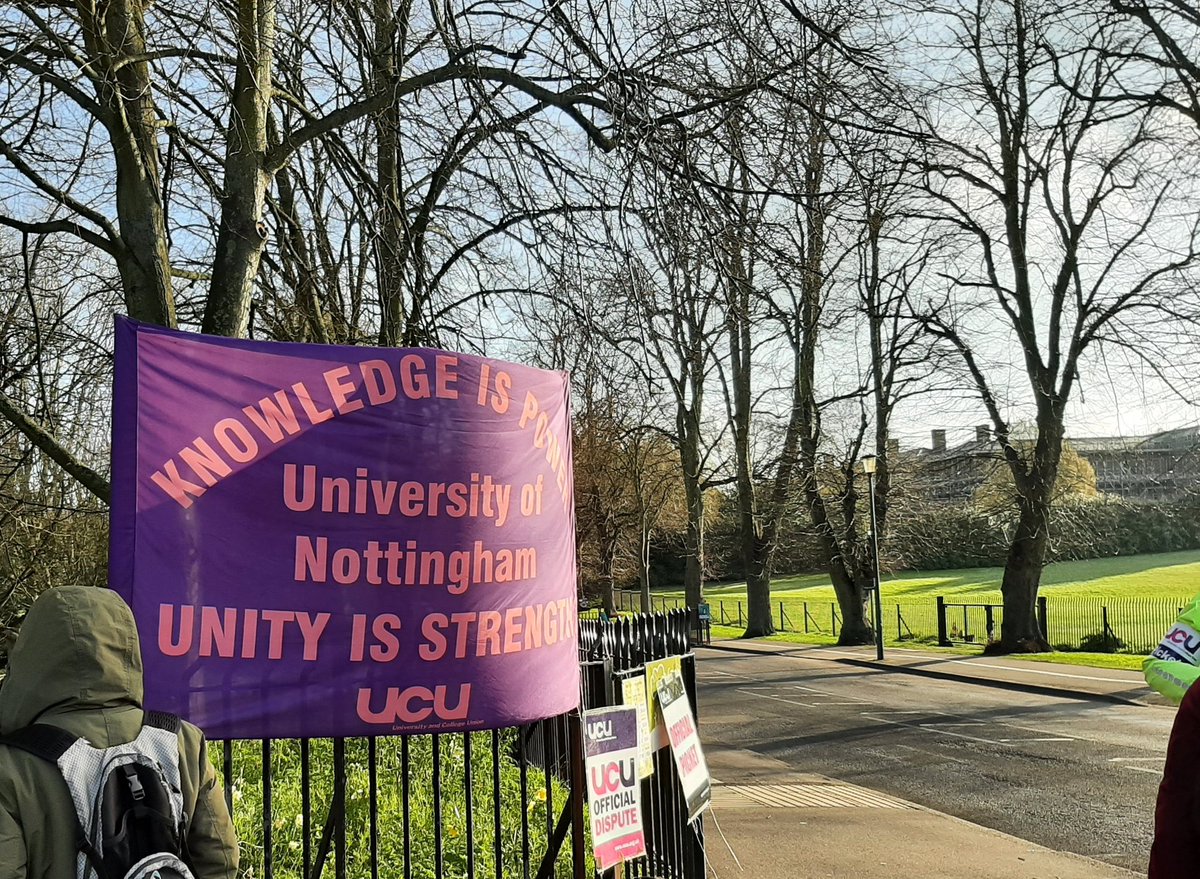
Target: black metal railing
point(504, 804)
point(1113, 624)
point(611, 652)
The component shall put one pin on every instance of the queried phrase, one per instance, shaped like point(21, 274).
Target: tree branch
point(52, 448)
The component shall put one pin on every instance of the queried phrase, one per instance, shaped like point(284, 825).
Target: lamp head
point(868, 464)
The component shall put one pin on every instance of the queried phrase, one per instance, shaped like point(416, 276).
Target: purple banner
point(338, 541)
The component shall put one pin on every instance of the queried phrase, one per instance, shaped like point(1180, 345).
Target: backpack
point(128, 802)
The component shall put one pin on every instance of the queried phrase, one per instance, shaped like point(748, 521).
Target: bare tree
point(217, 121)
point(1062, 204)
point(52, 298)
point(1167, 51)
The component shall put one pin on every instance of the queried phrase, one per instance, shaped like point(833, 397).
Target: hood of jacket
point(77, 656)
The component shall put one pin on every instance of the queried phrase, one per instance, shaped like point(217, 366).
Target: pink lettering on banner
point(217, 630)
point(170, 644)
point(316, 415)
point(274, 417)
point(340, 390)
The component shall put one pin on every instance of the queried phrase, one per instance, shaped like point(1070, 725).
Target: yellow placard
point(655, 672)
point(633, 692)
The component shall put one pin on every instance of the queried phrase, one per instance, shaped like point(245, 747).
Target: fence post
point(781, 625)
point(739, 613)
point(991, 623)
point(899, 622)
point(721, 605)
point(1104, 619)
point(1043, 618)
point(943, 636)
point(578, 794)
point(806, 617)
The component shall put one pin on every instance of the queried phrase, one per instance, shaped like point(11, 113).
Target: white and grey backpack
point(131, 823)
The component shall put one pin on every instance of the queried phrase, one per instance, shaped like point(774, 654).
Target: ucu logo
point(606, 779)
point(414, 704)
point(1185, 638)
point(598, 730)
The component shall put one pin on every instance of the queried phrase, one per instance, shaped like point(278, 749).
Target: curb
point(1037, 689)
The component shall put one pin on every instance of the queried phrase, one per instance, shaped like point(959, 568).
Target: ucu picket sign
point(1182, 644)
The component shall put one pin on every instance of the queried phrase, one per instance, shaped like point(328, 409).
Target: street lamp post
point(868, 465)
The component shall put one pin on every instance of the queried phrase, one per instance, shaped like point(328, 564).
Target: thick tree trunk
point(693, 566)
point(242, 232)
point(1034, 479)
point(856, 627)
point(851, 596)
point(759, 621)
point(644, 567)
point(1019, 630)
point(389, 234)
point(114, 35)
point(693, 570)
point(755, 549)
point(608, 563)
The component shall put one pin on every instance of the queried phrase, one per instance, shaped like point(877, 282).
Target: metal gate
point(504, 803)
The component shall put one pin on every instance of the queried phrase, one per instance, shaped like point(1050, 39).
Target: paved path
point(771, 821)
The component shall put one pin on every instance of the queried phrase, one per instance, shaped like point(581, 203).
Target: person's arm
point(1175, 664)
point(1170, 677)
point(12, 847)
point(211, 843)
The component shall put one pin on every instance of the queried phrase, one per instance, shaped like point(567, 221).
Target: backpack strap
point(171, 723)
point(41, 740)
point(161, 720)
point(49, 743)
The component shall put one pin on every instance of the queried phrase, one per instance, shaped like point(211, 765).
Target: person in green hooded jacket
point(77, 665)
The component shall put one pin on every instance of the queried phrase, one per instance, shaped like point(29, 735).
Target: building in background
point(1161, 466)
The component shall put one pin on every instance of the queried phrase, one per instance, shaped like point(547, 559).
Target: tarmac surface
point(769, 820)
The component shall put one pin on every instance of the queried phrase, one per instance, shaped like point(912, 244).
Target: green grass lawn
point(1170, 575)
point(1139, 597)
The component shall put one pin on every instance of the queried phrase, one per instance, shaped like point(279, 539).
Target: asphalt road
point(1071, 774)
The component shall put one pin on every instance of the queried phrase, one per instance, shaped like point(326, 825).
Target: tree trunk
point(242, 232)
point(693, 570)
point(847, 580)
point(393, 321)
point(693, 567)
point(758, 576)
point(856, 627)
point(1019, 629)
point(759, 621)
point(297, 265)
point(608, 563)
point(644, 567)
point(757, 552)
point(114, 35)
